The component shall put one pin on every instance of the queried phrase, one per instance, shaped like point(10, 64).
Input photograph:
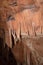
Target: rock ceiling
point(27, 13)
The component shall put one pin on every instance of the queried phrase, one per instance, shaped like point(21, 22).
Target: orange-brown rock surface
point(27, 15)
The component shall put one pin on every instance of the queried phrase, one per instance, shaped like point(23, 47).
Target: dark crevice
point(12, 40)
point(6, 55)
point(10, 17)
point(13, 4)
